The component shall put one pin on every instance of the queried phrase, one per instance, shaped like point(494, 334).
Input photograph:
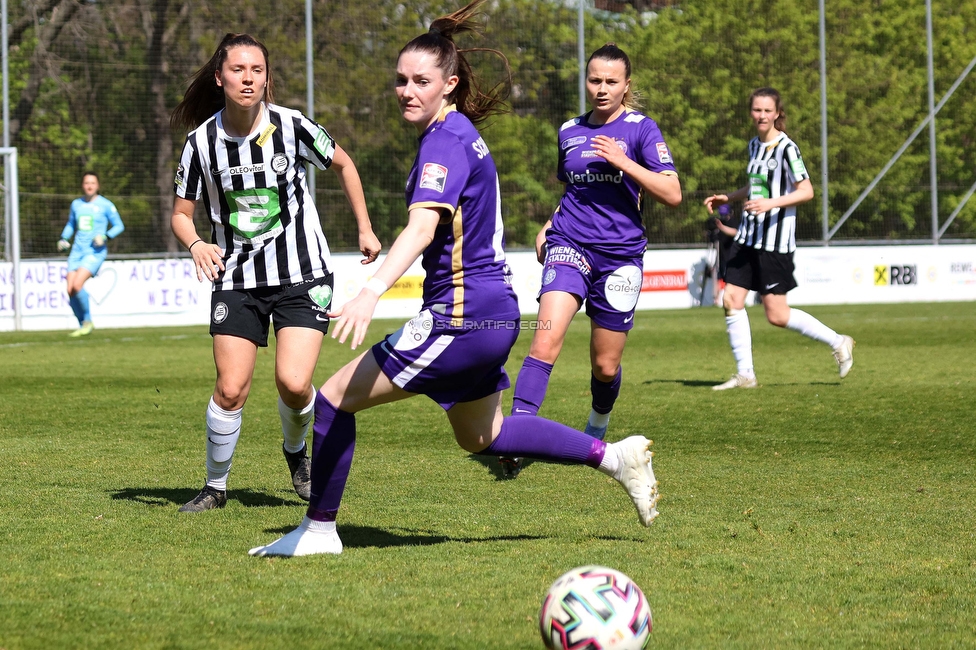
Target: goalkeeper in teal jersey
point(93, 220)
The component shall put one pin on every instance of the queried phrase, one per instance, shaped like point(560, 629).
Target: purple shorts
point(609, 285)
point(448, 364)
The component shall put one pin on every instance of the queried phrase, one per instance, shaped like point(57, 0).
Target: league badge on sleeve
point(663, 154)
point(433, 177)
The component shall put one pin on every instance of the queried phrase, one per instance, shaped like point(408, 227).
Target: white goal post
point(11, 217)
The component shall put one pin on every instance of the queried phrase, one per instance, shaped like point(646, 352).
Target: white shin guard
point(740, 338)
point(294, 423)
point(223, 430)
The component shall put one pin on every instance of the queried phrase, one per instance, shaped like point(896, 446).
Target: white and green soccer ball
point(595, 608)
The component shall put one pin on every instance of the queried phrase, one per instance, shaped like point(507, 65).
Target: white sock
point(599, 420)
point(807, 325)
point(223, 430)
point(318, 526)
point(610, 461)
point(294, 424)
point(740, 338)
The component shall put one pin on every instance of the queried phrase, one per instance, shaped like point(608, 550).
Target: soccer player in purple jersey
point(592, 248)
point(761, 258)
point(455, 349)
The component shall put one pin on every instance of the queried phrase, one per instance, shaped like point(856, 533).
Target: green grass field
point(808, 513)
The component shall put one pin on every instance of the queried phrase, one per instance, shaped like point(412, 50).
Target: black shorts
point(761, 271)
point(248, 313)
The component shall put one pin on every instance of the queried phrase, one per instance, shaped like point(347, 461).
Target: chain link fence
point(92, 85)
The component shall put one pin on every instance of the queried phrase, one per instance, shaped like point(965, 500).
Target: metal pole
point(911, 139)
point(309, 87)
point(13, 218)
point(6, 77)
point(932, 146)
point(962, 204)
point(825, 184)
point(581, 56)
point(4, 45)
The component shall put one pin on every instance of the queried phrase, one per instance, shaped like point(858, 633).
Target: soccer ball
point(595, 608)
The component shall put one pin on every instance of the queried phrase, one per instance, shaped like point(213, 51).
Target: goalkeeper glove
point(63, 245)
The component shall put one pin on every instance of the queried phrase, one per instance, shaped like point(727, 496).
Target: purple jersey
point(467, 278)
point(601, 206)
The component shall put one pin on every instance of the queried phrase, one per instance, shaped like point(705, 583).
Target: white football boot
point(635, 474)
point(737, 381)
point(844, 354)
point(310, 538)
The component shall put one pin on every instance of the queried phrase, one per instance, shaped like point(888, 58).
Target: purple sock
point(333, 442)
point(605, 393)
point(530, 387)
point(530, 436)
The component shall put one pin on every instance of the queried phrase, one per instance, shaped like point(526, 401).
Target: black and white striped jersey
point(774, 170)
point(255, 193)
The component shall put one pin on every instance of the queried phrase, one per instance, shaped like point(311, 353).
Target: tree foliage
point(93, 83)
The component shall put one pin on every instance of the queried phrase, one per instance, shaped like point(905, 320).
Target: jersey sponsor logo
point(591, 177)
point(623, 288)
point(900, 274)
point(665, 281)
point(433, 177)
point(324, 144)
point(266, 134)
point(480, 148)
point(572, 142)
point(254, 212)
point(86, 222)
point(279, 163)
point(246, 169)
point(758, 189)
point(321, 296)
point(799, 169)
point(220, 313)
point(568, 256)
point(662, 152)
point(180, 176)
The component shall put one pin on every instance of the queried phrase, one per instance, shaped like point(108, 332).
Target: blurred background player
point(719, 233)
point(592, 249)
point(454, 350)
point(761, 258)
point(92, 220)
point(269, 259)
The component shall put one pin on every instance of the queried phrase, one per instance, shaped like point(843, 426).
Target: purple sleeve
point(442, 173)
point(655, 154)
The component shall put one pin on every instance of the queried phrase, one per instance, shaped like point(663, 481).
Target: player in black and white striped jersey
point(762, 255)
point(268, 257)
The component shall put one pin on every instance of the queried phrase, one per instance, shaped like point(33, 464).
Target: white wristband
point(377, 286)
